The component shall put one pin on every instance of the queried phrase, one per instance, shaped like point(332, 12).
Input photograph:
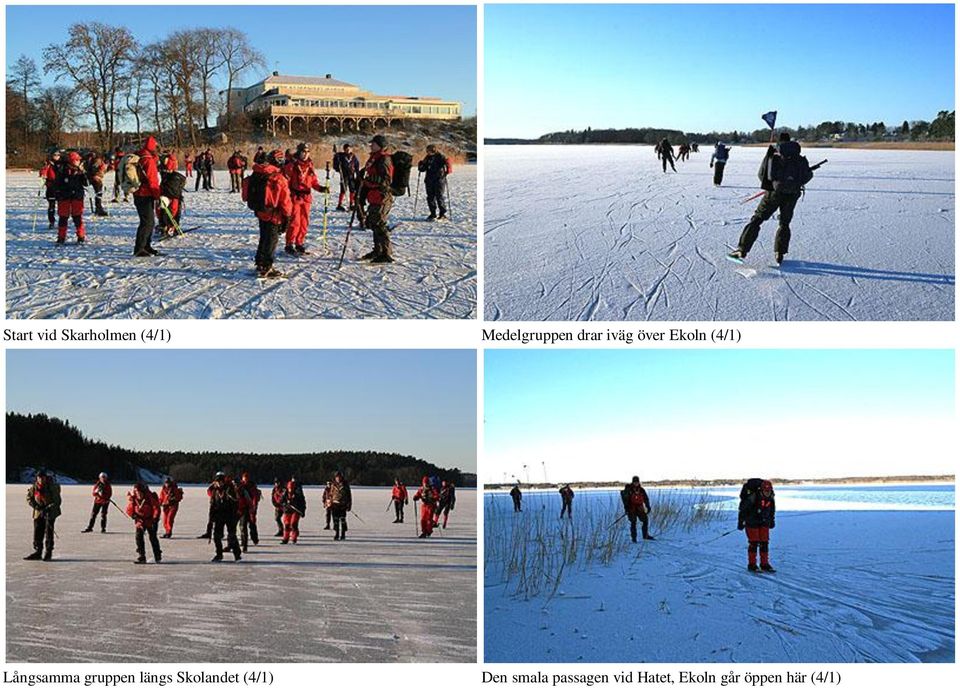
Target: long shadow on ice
point(803, 267)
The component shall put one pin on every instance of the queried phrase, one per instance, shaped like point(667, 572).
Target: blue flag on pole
point(770, 118)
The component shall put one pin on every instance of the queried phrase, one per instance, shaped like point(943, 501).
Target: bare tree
point(24, 78)
point(95, 59)
point(134, 93)
point(57, 112)
point(149, 65)
point(238, 58)
point(210, 60)
point(179, 57)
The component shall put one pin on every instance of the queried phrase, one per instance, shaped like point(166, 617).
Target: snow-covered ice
point(601, 233)
point(852, 585)
point(209, 273)
point(380, 596)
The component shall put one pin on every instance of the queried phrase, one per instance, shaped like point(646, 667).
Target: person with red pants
point(277, 209)
point(400, 498)
point(276, 498)
point(447, 501)
point(145, 199)
point(49, 175)
point(188, 162)
point(294, 508)
point(235, 167)
point(143, 506)
point(250, 496)
point(347, 164)
point(303, 181)
point(636, 505)
point(171, 495)
point(70, 184)
point(102, 492)
point(757, 515)
point(428, 499)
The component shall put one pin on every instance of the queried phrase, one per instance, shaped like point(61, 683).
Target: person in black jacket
point(436, 166)
point(757, 515)
point(566, 499)
point(225, 510)
point(294, 508)
point(70, 187)
point(517, 497)
point(636, 506)
point(347, 165)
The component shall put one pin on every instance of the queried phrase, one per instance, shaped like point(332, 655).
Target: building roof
point(305, 80)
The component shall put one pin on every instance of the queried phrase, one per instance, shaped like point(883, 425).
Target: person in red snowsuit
point(428, 498)
point(277, 211)
point(171, 495)
point(143, 506)
point(188, 163)
point(294, 508)
point(102, 492)
point(303, 181)
point(169, 162)
point(400, 498)
point(276, 498)
point(250, 496)
point(757, 515)
point(376, 191)
point(235, 167)
point(145, 199)
point(636, 505)
point(49, 175)
point(70, 187)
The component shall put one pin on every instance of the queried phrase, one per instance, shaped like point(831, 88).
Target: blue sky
point(713, 67)
point(421, 403)
point(606, 414)
point(425, 50)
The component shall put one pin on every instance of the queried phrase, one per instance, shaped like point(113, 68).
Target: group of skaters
point(783, 174)
point(756, 515)
point(232, 511)
point(278, 189)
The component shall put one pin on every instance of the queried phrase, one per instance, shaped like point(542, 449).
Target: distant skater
point(757, 516)
point(665, 154)
point(102, 492)
point(636, 505)
point(566, 500)
point(517, 496)
point(718, 161)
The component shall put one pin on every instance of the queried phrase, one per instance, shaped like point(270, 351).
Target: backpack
point(172, 184)
point(130, 178)
point(257, 191)
point(749, 492)
point(791, 171)
point(402, 162)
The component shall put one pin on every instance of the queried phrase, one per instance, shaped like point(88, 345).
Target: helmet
point(103, 476)
point(380, 140)
point(219, 474)
point(276, 157)
point(73, 159)
point(303, 147)
point(635, 479)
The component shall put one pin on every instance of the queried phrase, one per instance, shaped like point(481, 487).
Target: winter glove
point(740, 525)
point(164, 201)
point(711, 164)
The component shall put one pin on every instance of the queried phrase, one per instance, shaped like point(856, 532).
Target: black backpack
point(791, 171)
point(172, 185)
point(402, 163)
point(257, 191)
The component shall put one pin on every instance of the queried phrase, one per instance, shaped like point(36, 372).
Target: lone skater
point(102, 492)
point(517, 496)
point(636, 504)
point(341, 501)
point(43, 496)
point(143, 506)
point(400, 498)
point(718, 161)
point(757, 516)
point(783, 174)
point(171, 495)
point(665, 154)
point(566, 500)
point(436, 166)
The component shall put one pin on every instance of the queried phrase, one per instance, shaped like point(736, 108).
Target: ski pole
point(719, 536)
point(356, 212)
point(166, 209)
point(390, 504)
point(446, 185)
point(416, 196)
point(416, 519)
point(623, 516)
point(36, 210)
point(326, 204)
point(358, 517)
point(121, 510)
point(756, 195)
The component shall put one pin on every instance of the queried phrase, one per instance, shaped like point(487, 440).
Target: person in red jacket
point(375, 190)
point(171, 495)
point(428, 498)
point(636, 505)
point(49, 175)
point(303, 182)
point(277, 208)
point(294, 508)
point(250, 496)
point(400, 498)
point(143, 506)
point(102, 492)
point(276, 498)
point(145, 199)
point(235, 167)
point(188, 163)
point(70, 187)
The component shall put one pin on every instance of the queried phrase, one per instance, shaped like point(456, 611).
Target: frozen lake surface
point(601, 233)
point(209, 273)
point(380, 596)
